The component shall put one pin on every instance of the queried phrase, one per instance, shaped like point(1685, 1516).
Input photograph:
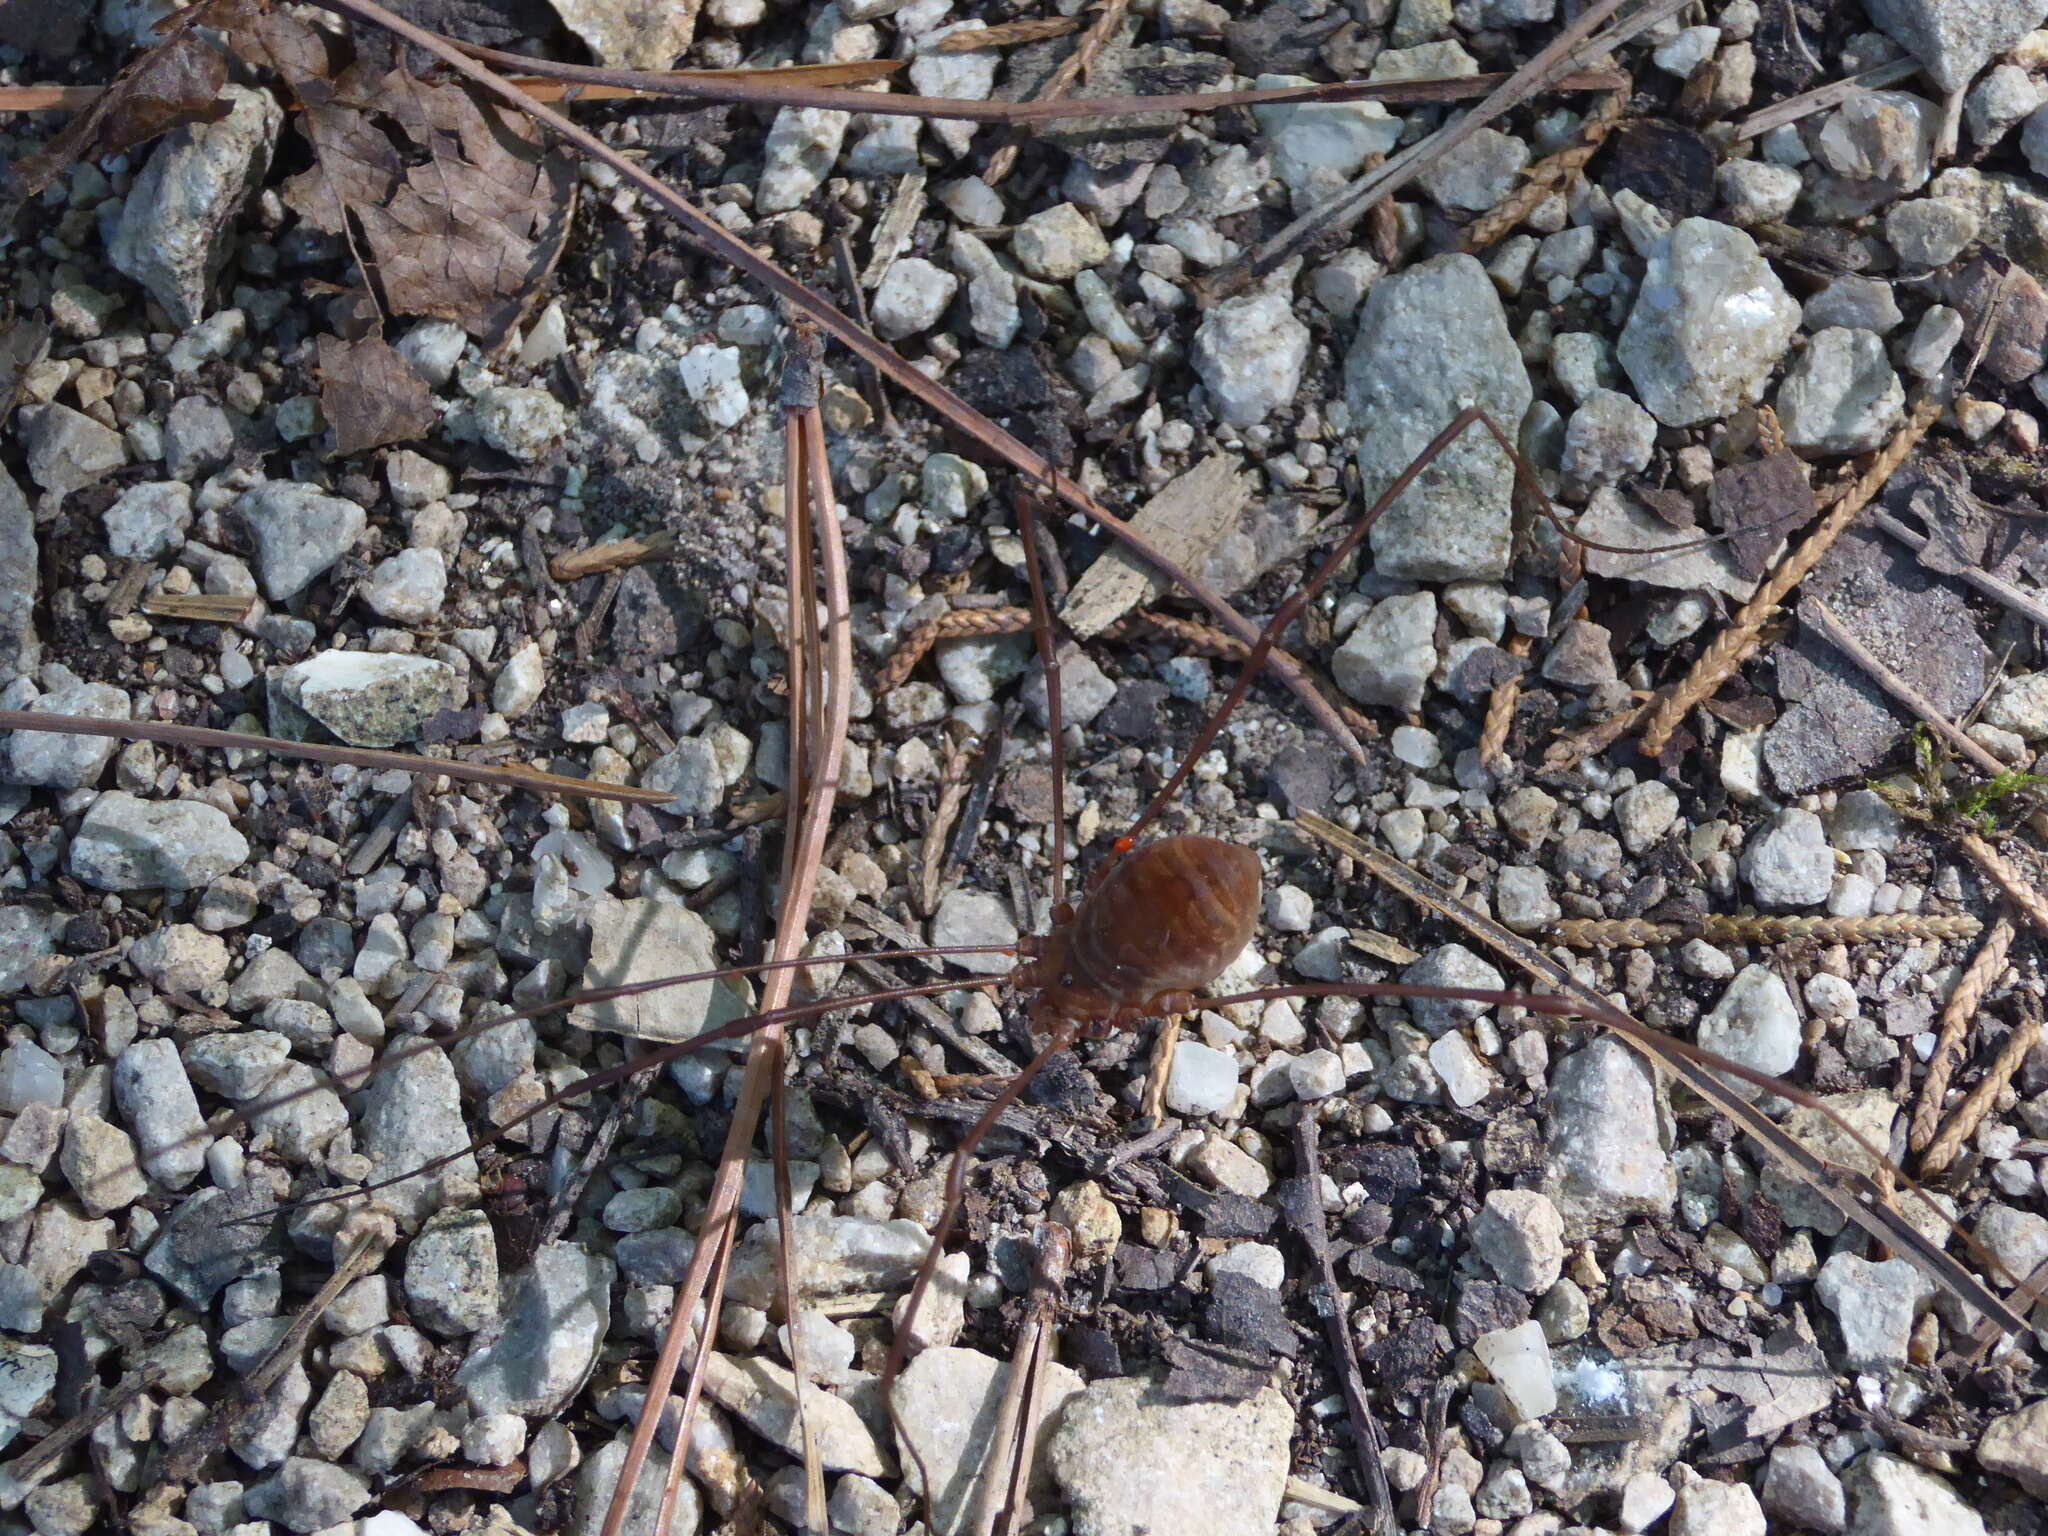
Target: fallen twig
point(2018, 600)
point(1369, 1442)
point(1978, 978)
point(1823, 97)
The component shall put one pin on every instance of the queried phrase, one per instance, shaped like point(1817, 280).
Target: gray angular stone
point(1519, 1234)
point(1432, 340)
point(127, 844)
point(411, 1116)
point(1841, 396)
point(198, 437)
point(366, 698)
point(1801, 1490)
point(1788, 863)
point(1605, 1158)
point(763, 1395)
point(947, 1404)
point(451, 1273)
point(1317, 147)
point(597, 1480)
point(299, 532)
point(1709, 323)
point(65, 449)
point(1755, 1024)
point(155, 1097)
point(967, 916)
point(641, 940)
point(2015, 1445)
point(308, 1496)
point(149, 519)
point(1132, 1461)
point(1890, 1496)
point(1454, 966)
point(1956, 38)
point(21, 649)
point(1619, 522)
point(408, 588)
point(172, 233)
point(537, 1357)
point(1387, 660)
point(1249, 352)
point(58, 760)
point(1875, 1306)
point(1608, 437)
point(25, 938)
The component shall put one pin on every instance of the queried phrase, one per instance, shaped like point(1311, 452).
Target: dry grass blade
point(1006, 34)
point(1108, 20)
point(1732, 647)
point(941, 401)
point(1852, 1194)
point(198, 607)
point(821, 694)
point(504, 775)
point(1956, 1017)
point(1823, 97)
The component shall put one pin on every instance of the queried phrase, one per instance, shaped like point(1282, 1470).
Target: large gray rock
point(763, 1394)
point(1754, 1024)
point(1606, 1159)
point(1432, 340)
point(126, 844)
point(645, 939)
point(947, 1404)
point(1249, 353)
point(57, 759)
point(366, 698)
point(1956, 38)
point(1842, 395)
point(412, 1116)
point(1710, 321)
point(299, 533)
point(1132, 1461)
point(171, 237)
point(65, 449)
point(543, 1349)
point(1890, 1496)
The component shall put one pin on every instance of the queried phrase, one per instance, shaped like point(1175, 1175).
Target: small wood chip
point(1185, 521)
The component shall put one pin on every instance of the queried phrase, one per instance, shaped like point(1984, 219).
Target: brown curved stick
point(934, 396)
point(504, 775)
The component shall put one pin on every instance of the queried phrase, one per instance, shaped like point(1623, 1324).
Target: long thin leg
point(956, 1194)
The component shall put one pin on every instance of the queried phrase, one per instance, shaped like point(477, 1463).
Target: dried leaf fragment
point(1760, 504)
point(178, 81)
point(370, 394)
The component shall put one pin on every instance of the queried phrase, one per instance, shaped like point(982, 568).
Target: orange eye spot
point(1125, 844)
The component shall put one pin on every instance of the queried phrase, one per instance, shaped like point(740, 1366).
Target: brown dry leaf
point(1758, 506)
point(370, 394)
point(456, 207)
point(177, 81)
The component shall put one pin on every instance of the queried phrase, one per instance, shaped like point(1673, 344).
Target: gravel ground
point(1580, 1298)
